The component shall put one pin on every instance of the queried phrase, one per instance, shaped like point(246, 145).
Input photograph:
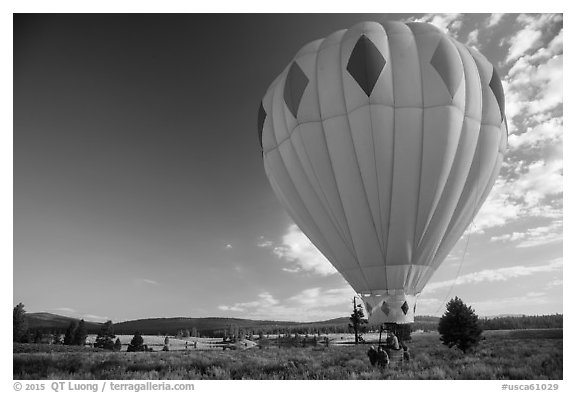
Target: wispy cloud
point(264, 243)
point(493, 275)
point(148, 281)
point(530, 184)
point(472, 39)
point(451, 23)
point(301, 255)
point(531, 35)
point(494, 19)
point(546, 132)
point(310, 304)
point(533, 193)
point(264, 300)
point(533, 85)
point(75, 314)
point(63, 309)
point(94, 318)
point(532, 237)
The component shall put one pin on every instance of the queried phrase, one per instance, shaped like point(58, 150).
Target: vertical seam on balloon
point(350, 246)
point(339, 48)
point(466, 76)
point(319, 232)
point(279, 100)
point(388, 37)
point(353, 253)
point(441, 192)
point(341, 231)
point(325, 206)
point(384, 244)
point(414, 242)
point(449, 228)
point(379, 208)
point(341, 73)
point(491, 180)
point(488, 186)
point(457, 214)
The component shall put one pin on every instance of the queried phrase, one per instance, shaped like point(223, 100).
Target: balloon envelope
point(382, 141)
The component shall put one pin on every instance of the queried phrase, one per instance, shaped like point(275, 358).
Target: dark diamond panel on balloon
point(496, 87)
point(296, 82)
point(405, 308)
point(368, 308)
point(261, 119)
point(446, 62)
point(365, 64)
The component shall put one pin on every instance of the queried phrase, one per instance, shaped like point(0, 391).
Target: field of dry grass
point(526, 354)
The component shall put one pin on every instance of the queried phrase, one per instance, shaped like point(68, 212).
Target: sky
point(139, 189)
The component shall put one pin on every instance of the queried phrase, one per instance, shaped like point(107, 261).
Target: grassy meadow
point(517, 354)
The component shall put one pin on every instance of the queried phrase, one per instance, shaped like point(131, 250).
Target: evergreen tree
point(459, 326)
point(105, 338)
point(69, 335)
point(357, 319)
point(137, 343)
point(80, 334)
point(117, 345)
point(20, 324)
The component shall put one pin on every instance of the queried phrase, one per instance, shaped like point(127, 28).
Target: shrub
point(117, 345)
point(80, 334)
point(105, 338)
point(137, 343)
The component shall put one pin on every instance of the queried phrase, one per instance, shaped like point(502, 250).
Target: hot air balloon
point(382, 141)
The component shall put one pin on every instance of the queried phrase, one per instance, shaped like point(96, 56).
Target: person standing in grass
point(372, 355)
point(406, 354)
point(383, 359)
point(393, 341)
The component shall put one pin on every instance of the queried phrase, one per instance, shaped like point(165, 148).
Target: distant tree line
point(76, 332)
point(522, 322)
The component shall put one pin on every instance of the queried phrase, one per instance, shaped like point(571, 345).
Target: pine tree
point(137, 343)
point(117, 345)
point(105, 338)
point(20, 324)
point(357, 319)
point(459, 326)
point(80, 334)
point(69, 335)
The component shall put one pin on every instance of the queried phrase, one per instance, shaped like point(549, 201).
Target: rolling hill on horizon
point(217, 325)
point(47, 321)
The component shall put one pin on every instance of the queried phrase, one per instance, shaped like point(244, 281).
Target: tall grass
point(499, 356)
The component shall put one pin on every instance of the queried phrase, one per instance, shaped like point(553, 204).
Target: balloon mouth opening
point(389, 307)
